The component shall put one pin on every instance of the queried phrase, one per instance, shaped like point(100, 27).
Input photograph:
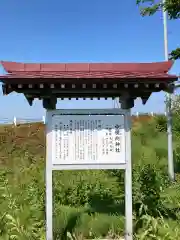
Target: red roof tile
point(11, 67)
point(90, 75)
point(88, 70)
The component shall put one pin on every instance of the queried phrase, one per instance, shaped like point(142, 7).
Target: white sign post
point(88, 139)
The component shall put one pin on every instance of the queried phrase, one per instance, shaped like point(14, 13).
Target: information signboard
point(88, 139)
point(84, 139)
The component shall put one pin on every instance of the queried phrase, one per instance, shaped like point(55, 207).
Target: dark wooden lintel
point(49, 93)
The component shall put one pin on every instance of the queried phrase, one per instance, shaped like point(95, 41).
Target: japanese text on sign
point(84, 139)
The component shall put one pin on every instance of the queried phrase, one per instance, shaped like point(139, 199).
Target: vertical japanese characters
point(87, 139)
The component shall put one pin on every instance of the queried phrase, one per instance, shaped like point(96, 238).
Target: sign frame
point(127, 166)
point(88, 165)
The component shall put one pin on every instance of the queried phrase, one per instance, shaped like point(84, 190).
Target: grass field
point(88, 204)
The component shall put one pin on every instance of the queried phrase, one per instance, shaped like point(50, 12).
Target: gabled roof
point(157, 70)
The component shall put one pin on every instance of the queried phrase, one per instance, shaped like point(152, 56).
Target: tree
point(150, 7)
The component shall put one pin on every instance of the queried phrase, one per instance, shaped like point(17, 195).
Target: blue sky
point(80, 31)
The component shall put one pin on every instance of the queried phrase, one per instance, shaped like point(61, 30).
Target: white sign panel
point(88, 139)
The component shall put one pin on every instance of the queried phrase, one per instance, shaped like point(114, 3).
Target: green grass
point(87, 204)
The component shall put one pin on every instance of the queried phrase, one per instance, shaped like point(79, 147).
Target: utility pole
point(168, 106)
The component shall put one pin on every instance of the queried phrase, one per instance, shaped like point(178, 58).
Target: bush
point(90, 204)
point(161, 123)
point(150, 189)
point(79, 188)
point(176, 124)
point(177, 159)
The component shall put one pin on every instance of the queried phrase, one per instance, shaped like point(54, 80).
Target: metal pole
point(49, 194)
point(128, 180)
point(168, 105)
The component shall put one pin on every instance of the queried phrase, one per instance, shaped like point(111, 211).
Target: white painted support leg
point(49, 195)
point(128, 181)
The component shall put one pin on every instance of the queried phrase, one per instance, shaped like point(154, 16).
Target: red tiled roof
point(87, 75)
point(88, 70)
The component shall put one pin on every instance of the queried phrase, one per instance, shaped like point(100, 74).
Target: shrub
point(161, 123)
point(94, 200)
point(79, 188)
point(150, 189)
point(177, 159)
